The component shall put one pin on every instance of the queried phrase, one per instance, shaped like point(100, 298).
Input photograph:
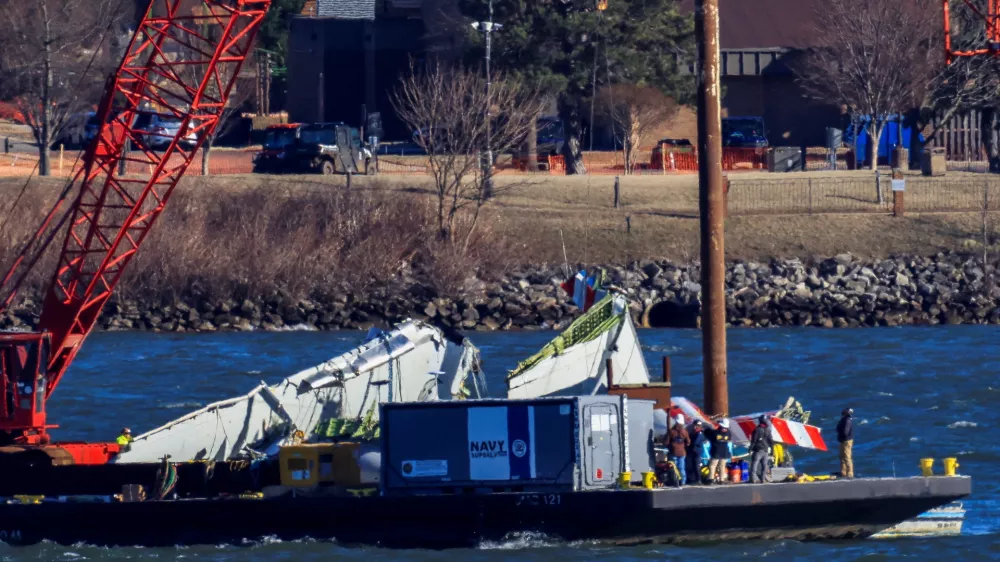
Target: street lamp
point(488, 27)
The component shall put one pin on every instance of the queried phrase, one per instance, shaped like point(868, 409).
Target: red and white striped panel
point(797, 433)
point(783, 431)
point(689, 409)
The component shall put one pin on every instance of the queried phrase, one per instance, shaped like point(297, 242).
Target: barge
point(819, 510)
point(571, 468)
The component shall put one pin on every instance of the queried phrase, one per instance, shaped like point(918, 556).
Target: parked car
point(78, 131)
point(432, 138)
point(160, 131)
point(551, 135)
point(744, 132)
point(328, 148)
point(681, 145)
point(277, 140)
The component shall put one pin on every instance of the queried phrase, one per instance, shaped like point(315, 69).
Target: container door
point(601, 444)
point(344, 150)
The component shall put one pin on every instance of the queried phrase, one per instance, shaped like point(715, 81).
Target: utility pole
point(267, 83)
point(487, 27)
point(712, 209)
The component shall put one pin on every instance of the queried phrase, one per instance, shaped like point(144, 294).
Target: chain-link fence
point(793, 196)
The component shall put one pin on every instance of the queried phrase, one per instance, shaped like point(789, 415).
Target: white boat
point(575, 362)
point(943, 521)
point(413, 362)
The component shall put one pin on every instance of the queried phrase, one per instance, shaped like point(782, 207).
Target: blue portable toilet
point(887, 143)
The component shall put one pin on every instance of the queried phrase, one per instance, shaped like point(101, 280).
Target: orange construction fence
point(663, 159)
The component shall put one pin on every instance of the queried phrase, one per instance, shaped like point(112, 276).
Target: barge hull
point(820, 510)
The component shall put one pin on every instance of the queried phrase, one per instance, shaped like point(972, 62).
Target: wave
point(962, 424)
point(297, 328)
point(181, 405)
point(519, 540)
point(661, 348)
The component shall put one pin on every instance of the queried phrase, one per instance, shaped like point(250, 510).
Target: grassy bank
point(248, 235)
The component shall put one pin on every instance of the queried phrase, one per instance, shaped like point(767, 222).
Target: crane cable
point(70, 183)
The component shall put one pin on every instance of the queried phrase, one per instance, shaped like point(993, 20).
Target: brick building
point(347, 53)
point(760, 41)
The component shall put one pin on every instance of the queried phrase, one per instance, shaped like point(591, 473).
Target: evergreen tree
point(273, 38)
point(560, 43)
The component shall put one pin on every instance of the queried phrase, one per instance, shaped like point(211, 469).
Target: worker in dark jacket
point(720, 439)
point(760, 446)
point(845, 436)
point(678, 442)
point(694, 461)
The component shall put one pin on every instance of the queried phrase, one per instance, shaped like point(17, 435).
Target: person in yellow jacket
point(125, 439)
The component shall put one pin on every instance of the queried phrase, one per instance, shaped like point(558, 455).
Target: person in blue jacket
point(698, 453)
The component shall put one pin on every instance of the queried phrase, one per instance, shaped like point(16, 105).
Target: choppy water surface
point(916, 391)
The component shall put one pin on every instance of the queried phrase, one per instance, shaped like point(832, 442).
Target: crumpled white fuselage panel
point(413, 362)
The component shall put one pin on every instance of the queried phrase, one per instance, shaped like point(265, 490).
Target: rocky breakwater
point(528, 299)
point(842, 291)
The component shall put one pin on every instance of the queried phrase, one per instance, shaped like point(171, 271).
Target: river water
point(916, 392)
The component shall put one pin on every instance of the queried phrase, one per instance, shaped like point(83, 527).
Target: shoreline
point(841, 291)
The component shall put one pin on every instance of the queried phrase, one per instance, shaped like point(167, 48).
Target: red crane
point(991, 17)
point(180, 66)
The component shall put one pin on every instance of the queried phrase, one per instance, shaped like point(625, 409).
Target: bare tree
point(968, 82)
point(636, 113)
point(876, 56)
point(447, 107)
point(55, 56)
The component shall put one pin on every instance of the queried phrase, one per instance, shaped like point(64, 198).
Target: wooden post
point(897, 196)
point(666, 369)
point(6, 145)
point(61, 150)
point(608, 367)
point(628, 225)
point(123, 161)
point(617, 192)
point(725, 197)
point(712, 208)
point(810, 196)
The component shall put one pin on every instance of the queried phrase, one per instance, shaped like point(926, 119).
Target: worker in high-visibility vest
point(125, 439)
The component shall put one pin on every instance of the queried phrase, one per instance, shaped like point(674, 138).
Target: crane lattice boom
point(164, 100)
point(988, 11)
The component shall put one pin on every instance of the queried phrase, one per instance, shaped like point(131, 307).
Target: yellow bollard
point(927, 467)
point(647, 480)
point(624, 480)
point(950, 466)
